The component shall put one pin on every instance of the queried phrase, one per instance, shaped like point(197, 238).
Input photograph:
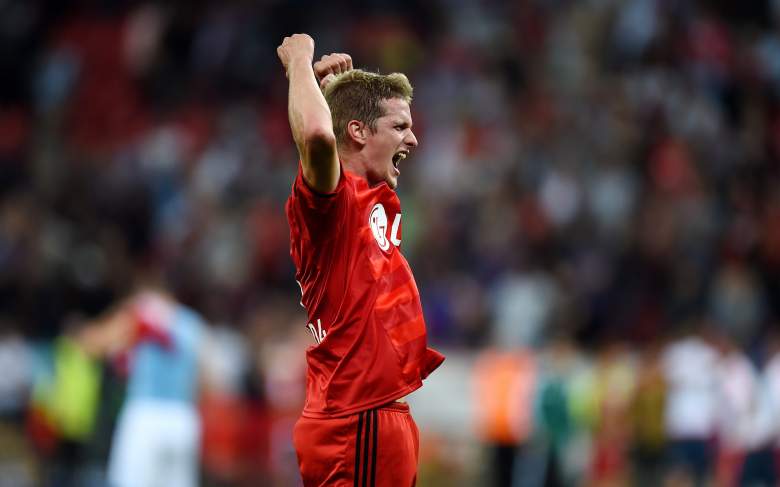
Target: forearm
point(310, 118)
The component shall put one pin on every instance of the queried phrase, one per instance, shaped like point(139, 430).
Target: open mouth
point(398, 157)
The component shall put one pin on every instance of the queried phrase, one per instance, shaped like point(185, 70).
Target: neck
point(353, 162)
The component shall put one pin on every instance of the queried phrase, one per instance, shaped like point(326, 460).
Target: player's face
point(391, 142)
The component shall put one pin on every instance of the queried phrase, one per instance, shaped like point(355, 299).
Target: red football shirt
point(362, 301)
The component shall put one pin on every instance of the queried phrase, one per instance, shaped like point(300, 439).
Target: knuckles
point(333, 63)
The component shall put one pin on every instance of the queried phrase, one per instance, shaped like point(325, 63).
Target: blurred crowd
point(691, 411)
point(592, 171)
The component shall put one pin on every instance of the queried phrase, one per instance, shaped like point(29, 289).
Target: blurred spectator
point(767, 423)
point(691, 372)
point(66, 398)
point(737, 302)
point(227, 414)
point(503, 386)
point(16, 362)
point(738, 404)
point(556, 424)
point(522, 306)
point(615, 377)
point(647, 419)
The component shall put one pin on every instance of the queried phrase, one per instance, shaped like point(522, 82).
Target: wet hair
point(357, 95)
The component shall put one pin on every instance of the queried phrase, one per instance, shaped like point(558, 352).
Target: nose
point(411, 139)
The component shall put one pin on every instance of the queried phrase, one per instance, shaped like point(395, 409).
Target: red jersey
point(363, 304)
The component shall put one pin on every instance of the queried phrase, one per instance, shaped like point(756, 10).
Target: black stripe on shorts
point(366, 449)
point(369, 416)
point(357, 449)
point(373, 452)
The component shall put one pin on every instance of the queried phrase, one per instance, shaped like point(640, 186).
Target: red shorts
point(374, 448)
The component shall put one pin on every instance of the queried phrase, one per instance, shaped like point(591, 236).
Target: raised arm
point(310, 119)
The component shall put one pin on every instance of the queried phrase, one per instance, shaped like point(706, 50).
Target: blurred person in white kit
point(690, 365)
point(770, 387)
point(157, 438)
point(741, 419)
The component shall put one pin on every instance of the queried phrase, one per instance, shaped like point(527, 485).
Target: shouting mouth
point(398, 157)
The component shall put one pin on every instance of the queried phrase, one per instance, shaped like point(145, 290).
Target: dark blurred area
point(603, 174)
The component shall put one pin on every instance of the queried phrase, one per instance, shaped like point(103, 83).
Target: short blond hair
point(357, 95)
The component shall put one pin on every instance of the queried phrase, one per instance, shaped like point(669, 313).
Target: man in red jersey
point(352, 130)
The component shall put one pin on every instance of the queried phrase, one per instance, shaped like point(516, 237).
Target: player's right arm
point(310, 119)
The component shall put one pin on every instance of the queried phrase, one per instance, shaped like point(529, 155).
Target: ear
point(358, 132)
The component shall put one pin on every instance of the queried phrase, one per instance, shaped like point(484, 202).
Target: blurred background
point(592, 216)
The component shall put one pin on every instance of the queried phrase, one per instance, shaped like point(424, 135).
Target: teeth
point(398, 158)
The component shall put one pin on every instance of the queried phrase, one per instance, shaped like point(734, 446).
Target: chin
point(392, 182)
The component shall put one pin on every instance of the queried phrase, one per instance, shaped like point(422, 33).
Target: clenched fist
point(298, 47)
point(330, 65)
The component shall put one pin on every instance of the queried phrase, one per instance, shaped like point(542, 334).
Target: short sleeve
point(316, 213)
point(318, 201)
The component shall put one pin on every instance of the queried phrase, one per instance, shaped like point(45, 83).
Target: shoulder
point(306, 204)
point(301, 189)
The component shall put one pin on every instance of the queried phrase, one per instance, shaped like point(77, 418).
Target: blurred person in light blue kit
point(157, 439)
point(16, 362)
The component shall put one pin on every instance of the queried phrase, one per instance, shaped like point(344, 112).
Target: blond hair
point(357, 95)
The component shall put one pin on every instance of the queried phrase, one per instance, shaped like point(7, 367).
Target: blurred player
point(157, 439)
point(362, 301)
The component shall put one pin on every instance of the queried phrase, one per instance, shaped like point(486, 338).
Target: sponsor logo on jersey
point(377, 220)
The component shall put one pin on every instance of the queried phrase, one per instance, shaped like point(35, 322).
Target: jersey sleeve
point(318, 213)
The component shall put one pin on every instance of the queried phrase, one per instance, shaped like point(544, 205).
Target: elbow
point(320, 141)
point(320, 135)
